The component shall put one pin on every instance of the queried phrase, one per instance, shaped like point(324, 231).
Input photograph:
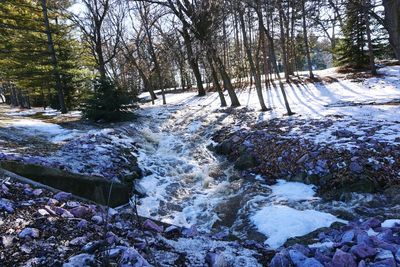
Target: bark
point(193, 62)
point(253, 69)
point(216, 82)
point(54, 60)
point(392, 24)
point(370, 47)
point(306, 39)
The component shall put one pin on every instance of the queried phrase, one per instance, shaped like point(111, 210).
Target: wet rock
point(6, 205)
point(343, 259)
point(245, 161)
point(190, 232)
point(215, 260)
point(81, 260)
point(363, 251)
point(62, 196)
point(280, 260)
point(224, 148)
point(131, 257)
point(150, 225)
point(29, 232)
point(81, 212)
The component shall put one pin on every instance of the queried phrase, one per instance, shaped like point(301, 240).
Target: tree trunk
point(216, 82)
point(253, 69)
point(368, 29)
point(392, 24)
point(306, 39)
point(225, 77)
point(54, 61)
point(193, 62)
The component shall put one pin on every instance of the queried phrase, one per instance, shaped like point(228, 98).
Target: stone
point(7, 240)
point(384, 263)
point(78, 241)
point(150, 225)
point(97, 219)
point(29, 232)
point(343, 259)
point(384, 254)
point(43, 212)
point(279, 260)
point(297, 257)
point(131, 257)
point(355, 167)
point(386, 236)
point(311, 262)
point(62, 196)
point(81, 212)
point(348, 236)
point(363, 251)
point(82, 224)
point(190, 232)
point(92, 246)
point(80, 260)
point(6, 205)
point(37, 192)
point(246, 161)
point(215, 260)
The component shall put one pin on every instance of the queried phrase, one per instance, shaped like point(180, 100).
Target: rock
point(225, 147)
point(63, 212)
point(348, 236)
point(355, 167)
point(43, 212)
point(280, 260)
point(343, 133)
point(215, 260)
point(245, 161)
point(81, 212)
point(384, 263)
point(371, 223)
point(343, 259)
point(81, 260)
point(363, 238)
point(82, 224)
point(384, 254)
point(6, 205)
point(363, 251)
point(303, 249)
point(37, 192)
point(97, 219)
point(29, 232)
point(386, 236)
point(92, 246)
point(304, 158)
point(131, 257)
point(150, 225)
point(62, 196)
point(297, 257)
point(190, 232)
point(7, 240)
point(397, 255)
point(78, 241)
point(311, 262)
point(52, 202)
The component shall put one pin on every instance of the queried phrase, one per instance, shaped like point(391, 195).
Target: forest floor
point(335, 164)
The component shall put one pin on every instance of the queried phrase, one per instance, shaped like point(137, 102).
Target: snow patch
point(279, 223)
point(293, 191)
point(390, 223)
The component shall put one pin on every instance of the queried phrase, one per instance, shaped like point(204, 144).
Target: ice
point(280, 223)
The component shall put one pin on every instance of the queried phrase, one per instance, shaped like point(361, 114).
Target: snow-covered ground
point(186, 184)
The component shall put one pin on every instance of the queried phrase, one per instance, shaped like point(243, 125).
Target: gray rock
point(131, 257)
point(343, 259)
point(78, 241)
point(7, 240)
point(348, 236)
point(81, 260)
point(29, 232)
point(62, 196)
point(97, 219)
point(280, 260)
point(150, 225)
point(356, 167)
point(384, 254)
point(363, 251)
point(384, 263)
point(6, 205)
point(81, 212)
